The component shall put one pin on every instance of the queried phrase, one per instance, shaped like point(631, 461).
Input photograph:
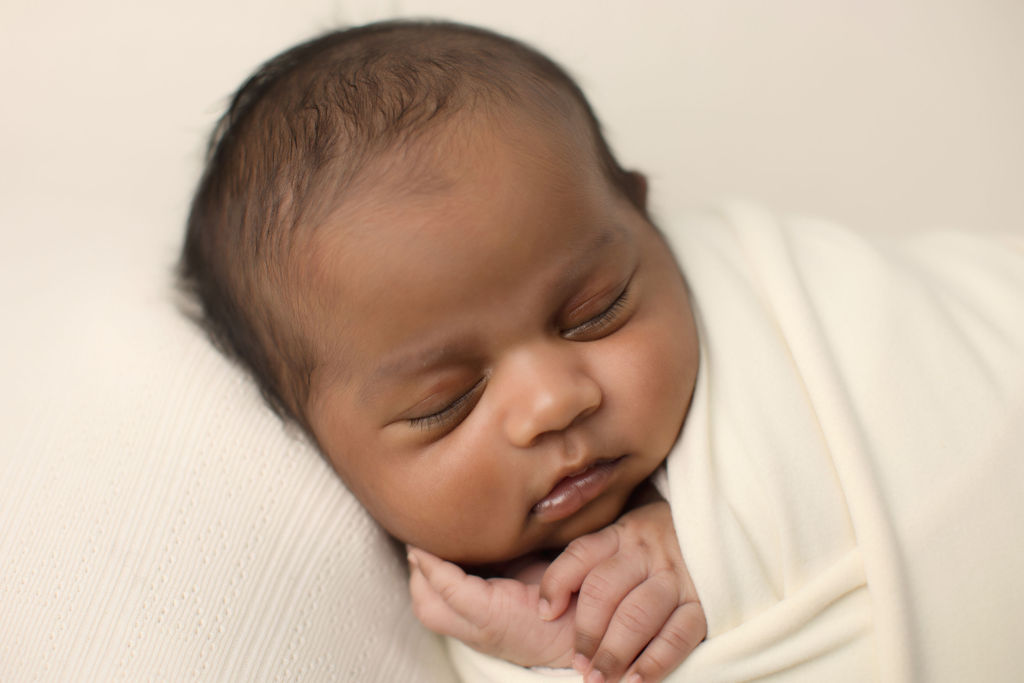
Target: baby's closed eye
point(604, 323)
point(452, 412)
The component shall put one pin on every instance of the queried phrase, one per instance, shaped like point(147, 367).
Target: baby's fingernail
point(580, 663)
point(413, 562)
point(544, 607)
point(595, 676)
point(635, 678)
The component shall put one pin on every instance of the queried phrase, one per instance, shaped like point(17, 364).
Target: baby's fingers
point(608, 590)
point(566, 573)
point(432, 609)
point(683, 631)
point(638, 619)
point(467, 595)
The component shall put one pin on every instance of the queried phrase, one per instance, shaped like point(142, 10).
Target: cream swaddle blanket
point(849, 487)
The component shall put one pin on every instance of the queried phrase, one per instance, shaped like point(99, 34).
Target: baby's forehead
point(433, 192)
point(436, 159)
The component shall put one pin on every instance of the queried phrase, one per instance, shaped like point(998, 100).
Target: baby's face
point(511, 348)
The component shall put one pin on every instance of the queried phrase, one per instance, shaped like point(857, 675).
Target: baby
point(417, 240)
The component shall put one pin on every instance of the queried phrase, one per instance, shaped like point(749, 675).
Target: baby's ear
point(636, 182)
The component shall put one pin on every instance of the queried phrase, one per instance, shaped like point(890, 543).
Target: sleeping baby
point(417, 240)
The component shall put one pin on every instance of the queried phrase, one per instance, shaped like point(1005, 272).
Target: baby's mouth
point(575, 490)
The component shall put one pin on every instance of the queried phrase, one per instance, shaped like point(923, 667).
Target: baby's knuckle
point(682, 637)
point(577, 550)
point(553, 584)
point(594, 591)
point(635, 617)
point(640, 544)
point(447, 592)
point(666, 584)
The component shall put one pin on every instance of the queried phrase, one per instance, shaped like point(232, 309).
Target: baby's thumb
point(554, 597)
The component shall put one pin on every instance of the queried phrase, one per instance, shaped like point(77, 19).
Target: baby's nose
point(549, 391)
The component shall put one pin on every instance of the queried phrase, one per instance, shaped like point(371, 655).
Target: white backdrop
point(885, 115)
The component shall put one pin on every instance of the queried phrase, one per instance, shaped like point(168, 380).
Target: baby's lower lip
point(573, 492)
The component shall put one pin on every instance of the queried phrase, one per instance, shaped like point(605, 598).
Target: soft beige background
point(153, 514)
point(883, 114)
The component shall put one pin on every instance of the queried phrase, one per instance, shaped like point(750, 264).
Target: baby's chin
point(536, 541)
point(487, 559)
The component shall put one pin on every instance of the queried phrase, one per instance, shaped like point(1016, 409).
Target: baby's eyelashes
point(448, 417)
point(602, 324)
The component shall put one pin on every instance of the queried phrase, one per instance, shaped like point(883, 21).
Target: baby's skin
point(617, 604)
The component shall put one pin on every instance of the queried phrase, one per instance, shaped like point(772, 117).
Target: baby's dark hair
point(296, 136)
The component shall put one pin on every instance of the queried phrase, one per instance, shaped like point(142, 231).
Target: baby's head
point(417, 240)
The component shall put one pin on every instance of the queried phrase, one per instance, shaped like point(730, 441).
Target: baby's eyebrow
point(608, 234)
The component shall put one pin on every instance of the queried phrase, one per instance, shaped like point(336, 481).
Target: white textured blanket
point(849, 487)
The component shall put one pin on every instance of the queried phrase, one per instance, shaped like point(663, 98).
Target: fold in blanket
point(848, 486)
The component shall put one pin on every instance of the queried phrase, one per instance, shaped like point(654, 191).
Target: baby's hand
point(637, 614)
point(495, 616)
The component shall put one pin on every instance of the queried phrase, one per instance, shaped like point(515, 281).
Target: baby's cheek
point(661, 386)
point(475, 523)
